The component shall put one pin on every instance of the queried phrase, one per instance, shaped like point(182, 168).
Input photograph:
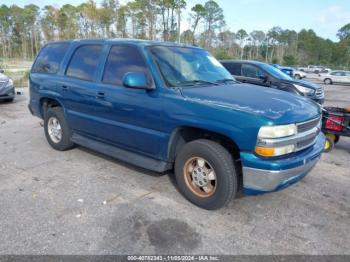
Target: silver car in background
point(7, 90)
point(336, 77)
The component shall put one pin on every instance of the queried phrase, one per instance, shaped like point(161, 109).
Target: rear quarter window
point(233, 68)
point(50, 58)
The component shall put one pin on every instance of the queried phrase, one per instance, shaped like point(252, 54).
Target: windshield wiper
point(197, 82)
point(225, 80)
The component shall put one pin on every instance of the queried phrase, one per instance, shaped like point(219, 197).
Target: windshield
point(185, 66)
point(277, 73)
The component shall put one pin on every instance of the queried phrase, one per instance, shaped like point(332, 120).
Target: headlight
point(9, 83)
point(305, 90)
point(275, 132)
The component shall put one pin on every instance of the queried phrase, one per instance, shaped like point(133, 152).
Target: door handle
point(65, 88)
point(100, 95)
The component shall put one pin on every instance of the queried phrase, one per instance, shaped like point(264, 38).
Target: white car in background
point(298, 74)
point(339, 77)
point(315, 69)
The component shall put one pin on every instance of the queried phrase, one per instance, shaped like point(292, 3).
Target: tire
point(217, 159)
point(329, 145)
point(10, 100)
point(336, 140)
point(62, 142)
point(328, 81)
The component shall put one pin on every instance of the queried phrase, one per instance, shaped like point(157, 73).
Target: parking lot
point(81, 202)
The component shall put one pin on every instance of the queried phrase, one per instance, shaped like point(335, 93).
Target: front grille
point(319, 93)
point(2, 84)
point(305, 126)
point(305, 143)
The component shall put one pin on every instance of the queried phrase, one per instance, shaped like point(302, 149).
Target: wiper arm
point(225, 80)
point(197, 82)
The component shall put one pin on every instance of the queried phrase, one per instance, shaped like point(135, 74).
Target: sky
point(325, 17)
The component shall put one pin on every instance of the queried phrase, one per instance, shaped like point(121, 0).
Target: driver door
point(128, 117)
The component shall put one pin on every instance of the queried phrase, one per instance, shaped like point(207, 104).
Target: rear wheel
point(328, 81)
point(205, 174)
point(57, 131)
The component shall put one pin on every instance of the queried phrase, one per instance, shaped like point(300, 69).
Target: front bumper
point(7, 93)
point(263, 175)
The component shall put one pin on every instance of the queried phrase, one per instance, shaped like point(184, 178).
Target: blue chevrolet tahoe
point(163, 106)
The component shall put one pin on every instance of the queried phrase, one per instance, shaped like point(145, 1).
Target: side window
point(233, 68)
point(251, 71)
point(50, 58)
point(121, 60)
point(336, 74)
point(84, 62)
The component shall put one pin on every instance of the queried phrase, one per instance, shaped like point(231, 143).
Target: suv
point(262, 74)
point(7, 90)
point(163, 106)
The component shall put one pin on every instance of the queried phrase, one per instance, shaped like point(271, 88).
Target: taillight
point(335, 123)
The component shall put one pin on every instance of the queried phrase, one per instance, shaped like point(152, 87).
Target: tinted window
point(84, 62)
point(273, 71)
point(337, 74)
point(121, 60)
point(251, 71)
point(233, 68)
point(50, 58)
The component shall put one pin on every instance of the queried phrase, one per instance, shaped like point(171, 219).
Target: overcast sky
point(325, 17)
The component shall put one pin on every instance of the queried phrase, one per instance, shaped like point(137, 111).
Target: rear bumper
point(262, 176)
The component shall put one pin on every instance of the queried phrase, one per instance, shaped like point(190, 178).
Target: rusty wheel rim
point(200, 177)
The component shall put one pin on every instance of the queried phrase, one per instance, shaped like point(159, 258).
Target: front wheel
point(57, 131)
point(205, 174)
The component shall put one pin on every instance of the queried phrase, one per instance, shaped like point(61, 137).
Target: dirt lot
point(80, 202)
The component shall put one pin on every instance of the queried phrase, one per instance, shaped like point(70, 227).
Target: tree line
point(24, 30)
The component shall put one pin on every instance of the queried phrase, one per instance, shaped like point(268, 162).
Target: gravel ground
point(80, 202)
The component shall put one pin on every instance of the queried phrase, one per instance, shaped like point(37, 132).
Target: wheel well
point(48, 103)
point(183, 135)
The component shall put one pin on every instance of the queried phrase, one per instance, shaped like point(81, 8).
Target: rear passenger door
point(79, 88)
point(130, 118)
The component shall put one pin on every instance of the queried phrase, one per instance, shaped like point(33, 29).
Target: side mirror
point(136, 80)
point(264, 78)
point(2, 71)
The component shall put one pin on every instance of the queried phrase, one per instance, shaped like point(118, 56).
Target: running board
point(121, 154)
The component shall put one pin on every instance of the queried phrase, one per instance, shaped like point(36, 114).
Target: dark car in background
point(258, 73)
point(7, 90)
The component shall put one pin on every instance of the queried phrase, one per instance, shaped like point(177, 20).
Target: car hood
point(303, 83)
point(278, 106)
point(3, 78)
